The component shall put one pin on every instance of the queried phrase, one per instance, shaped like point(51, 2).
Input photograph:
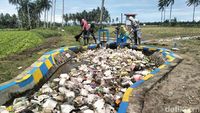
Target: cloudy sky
point(147, 10)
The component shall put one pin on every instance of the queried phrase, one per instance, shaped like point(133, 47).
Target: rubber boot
point(84, 41)
point(135, 37)
point(87, 40)
point(135, 41)
point(139, 41)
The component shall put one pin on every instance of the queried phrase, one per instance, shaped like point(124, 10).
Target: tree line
point(29, 12)
point(163, 4)
point(90, 16)
point(8, 21)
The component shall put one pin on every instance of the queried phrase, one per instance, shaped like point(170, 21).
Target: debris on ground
point(95, 86)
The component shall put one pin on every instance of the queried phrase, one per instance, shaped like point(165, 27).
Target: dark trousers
point(85, 37)
point(139, 41)
point(135, 37)
point(91, 32)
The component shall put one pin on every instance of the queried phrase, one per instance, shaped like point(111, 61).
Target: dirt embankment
point(180, 90)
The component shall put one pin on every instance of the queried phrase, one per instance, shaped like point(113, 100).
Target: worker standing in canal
point(135, 30)
point(85, 31)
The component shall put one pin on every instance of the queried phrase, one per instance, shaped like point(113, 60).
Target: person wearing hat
point(135, 30)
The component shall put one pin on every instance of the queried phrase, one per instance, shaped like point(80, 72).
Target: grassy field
point(167, 32)
point(16, 41)
point(153, 32)
point(22, 48)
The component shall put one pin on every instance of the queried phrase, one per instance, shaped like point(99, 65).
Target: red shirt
point(85, 25)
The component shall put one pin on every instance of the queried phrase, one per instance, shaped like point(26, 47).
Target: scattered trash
point(49, 104)
point(175, 49)
point(3, 109)
point(19, 68)
point(95, 86)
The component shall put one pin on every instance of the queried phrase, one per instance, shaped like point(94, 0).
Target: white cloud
point(58, 18)
point(8, 11)
point(197, 18)
point(121, 5)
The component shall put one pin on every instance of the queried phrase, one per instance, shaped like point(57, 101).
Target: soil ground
point(180, 90)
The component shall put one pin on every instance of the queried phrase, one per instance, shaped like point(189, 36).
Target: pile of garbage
point(95, 86)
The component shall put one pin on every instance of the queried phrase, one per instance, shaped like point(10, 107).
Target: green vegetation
point(155, 32)
point(46, 33)
point(16, 41)
point(8, 21)
point(91, 16)
point(164, 32)
point(29, 12)
point(70, 32)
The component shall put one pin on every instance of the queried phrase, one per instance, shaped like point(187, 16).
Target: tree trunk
point(18, 23)
point(170, 19)
point(29, 18)
point(101, 16)
point(54, 21)
point(38, 21)
point(194, 12)
point(63, 11)
point(161, 16)
point(45, 18)
point(51, 14)
point(164, 15)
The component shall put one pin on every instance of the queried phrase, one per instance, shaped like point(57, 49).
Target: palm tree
point(45, 5)
point(161, 7)
point(24, 4)
point(117, 20)
point(195, 3)
point(36, 11)
point(171, 3)
point(29, 18)
point(54, 15)
point(63, 11)
point(51, 13)
point(15, 2)
point(162, 4)
point(39, 10)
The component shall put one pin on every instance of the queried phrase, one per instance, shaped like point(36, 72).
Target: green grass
point(46, 33)
point(9, 68)
point(153, 32)
point(68, 35)
point(167, 32)
point(16, 41)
